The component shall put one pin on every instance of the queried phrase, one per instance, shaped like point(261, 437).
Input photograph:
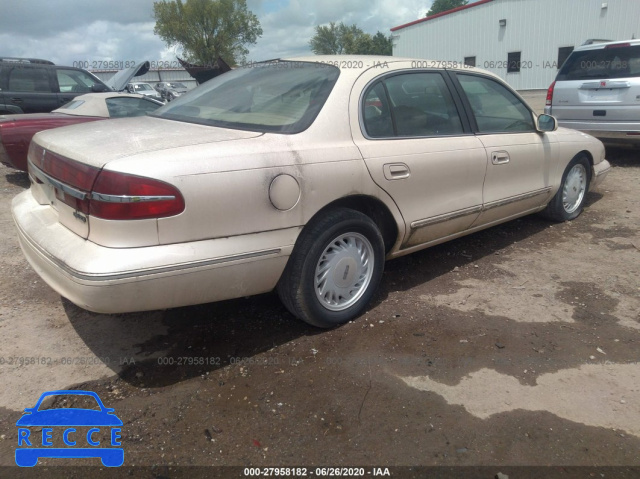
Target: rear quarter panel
point(226, 185)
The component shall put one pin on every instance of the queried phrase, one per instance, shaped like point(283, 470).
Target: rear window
point(121, 107)
point(279, 97)
point(616, 62)
point(142, 87)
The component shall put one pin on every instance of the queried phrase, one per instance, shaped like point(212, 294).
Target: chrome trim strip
point(610, 85)
point(446, 217)
point(514, 199)
point(127, 199)
point(42, 176)
point(477, 209)
point(172, 268)
point(81, 195)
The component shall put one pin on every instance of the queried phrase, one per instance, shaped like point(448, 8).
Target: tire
point(334, 270)
point(568, 202)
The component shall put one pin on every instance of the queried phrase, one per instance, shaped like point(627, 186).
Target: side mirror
point(546, 123)
point(99, 88)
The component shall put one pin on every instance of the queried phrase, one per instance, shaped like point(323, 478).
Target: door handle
point(396, 171)
point(499, 157)
point(16, 100)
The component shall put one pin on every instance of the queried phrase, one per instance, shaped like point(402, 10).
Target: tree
point(381, 44)
point(440, 6)
point(339, 39)
point(207, 29)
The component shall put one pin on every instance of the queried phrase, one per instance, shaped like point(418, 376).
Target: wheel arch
point(586, 153)
point(372, 207)
point(592, 171)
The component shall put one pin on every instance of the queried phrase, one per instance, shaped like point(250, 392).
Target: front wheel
point(334, 269)
point(568, 202)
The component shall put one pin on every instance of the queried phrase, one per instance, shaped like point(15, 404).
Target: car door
point(518, 156)
point(30, 88)
point(420, 150)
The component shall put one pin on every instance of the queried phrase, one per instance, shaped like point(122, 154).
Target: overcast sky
point(67, 31)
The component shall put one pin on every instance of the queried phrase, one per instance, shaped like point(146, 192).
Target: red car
point(16, 131)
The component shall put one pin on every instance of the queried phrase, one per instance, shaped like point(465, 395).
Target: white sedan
point(301, 176)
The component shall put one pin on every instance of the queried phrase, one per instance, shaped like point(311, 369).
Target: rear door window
point(29, 80)
point(410, 105)
point(128, 106)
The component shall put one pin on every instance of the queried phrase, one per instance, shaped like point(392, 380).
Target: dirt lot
point(519, 345)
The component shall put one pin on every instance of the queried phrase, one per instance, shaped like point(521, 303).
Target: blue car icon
point(29, 451)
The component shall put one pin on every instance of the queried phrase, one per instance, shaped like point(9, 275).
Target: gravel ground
point(518, 345)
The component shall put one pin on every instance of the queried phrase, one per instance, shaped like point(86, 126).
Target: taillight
point(618, 45)
point(105, 194)
point(550, 94)
point(120, 196)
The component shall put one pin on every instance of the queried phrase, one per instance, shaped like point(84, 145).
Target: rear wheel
point(334, 269)
point(568, 202)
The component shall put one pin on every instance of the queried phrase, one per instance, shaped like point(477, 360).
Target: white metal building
point(523, 41)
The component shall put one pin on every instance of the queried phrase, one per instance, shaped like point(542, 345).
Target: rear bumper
point(607, 132)
point(119, 280)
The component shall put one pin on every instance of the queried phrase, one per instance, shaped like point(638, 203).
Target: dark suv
point(29, 85)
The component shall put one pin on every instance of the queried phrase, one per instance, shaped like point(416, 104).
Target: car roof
point(346, 63)
point(600, 46)
point(26, 60)
point(93, 104)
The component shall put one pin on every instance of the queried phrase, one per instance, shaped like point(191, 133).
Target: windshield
point(142, 86)
point(280, 97)
point(176, 85)
point(612, 62)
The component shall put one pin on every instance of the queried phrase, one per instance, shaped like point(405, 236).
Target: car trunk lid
point(98, 143)
point(65, 164)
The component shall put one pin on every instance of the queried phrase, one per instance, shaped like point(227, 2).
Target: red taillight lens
point(618, 45)
point(75, 179)
point(550, 94)
point(69, 172)
point(120, 196)
point(106, 194)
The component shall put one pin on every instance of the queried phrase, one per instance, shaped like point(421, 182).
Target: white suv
point(597, 91)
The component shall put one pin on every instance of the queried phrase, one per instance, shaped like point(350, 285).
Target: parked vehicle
point(16, 131)
point(29, 85)
point(171, 90)
point(597, 91)
point(145, 89)
point(298, 175)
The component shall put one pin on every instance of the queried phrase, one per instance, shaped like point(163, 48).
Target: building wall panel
point(536, 28)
